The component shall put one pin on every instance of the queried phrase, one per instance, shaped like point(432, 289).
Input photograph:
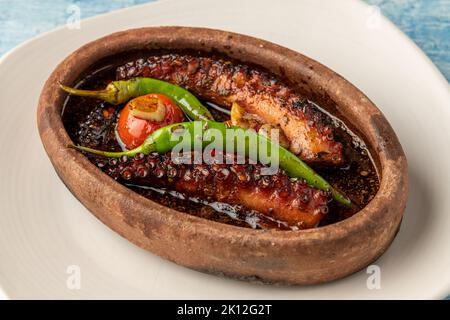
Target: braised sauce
point(91, 122)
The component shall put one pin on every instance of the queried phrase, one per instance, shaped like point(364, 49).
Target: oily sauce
point(91, 122)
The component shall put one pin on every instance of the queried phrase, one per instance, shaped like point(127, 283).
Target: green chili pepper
point(118, 92)
point(244, 141)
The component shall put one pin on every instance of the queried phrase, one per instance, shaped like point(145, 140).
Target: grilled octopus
point(277, 197)
point(260, 94)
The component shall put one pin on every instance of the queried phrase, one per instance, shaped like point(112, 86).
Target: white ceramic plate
point(44, 229)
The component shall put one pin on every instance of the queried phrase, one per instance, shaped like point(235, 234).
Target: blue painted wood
point(426, 22)
point(24, 19)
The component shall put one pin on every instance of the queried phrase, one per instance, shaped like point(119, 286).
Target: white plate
point(44, 229)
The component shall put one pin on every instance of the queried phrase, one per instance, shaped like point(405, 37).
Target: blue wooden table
point(426, 22)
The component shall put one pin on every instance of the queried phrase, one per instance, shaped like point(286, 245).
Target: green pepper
point(118, 92)
point(167, 138)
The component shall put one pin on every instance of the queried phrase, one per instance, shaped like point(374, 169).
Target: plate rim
point(439, 294)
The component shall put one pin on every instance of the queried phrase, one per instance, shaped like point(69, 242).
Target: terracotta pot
point(294, 257)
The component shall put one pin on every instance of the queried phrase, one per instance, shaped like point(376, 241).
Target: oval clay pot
point(294, 257)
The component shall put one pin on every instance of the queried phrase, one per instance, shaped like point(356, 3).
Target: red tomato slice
point(145, 114)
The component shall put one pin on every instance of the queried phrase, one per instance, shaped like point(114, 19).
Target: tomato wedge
point(145, 114)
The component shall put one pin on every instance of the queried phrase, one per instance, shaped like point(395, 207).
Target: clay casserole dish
point(295, 257)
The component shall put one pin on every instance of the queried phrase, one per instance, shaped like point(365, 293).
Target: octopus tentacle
point(223, 82)
point(276, 196)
